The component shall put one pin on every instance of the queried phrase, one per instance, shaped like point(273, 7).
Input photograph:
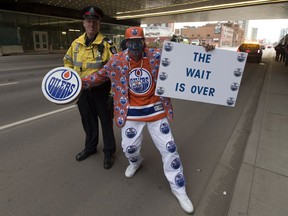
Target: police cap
point(92, 12)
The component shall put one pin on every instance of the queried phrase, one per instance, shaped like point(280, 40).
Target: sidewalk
point(262, 185)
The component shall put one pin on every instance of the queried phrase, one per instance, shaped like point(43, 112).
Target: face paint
point(135, 47)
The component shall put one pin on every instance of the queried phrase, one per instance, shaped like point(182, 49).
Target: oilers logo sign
point(61, 85)
point(139, 81)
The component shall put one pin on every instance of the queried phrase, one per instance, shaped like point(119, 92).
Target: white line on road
point(5, 84)
point(31, 67)
point(36, 117)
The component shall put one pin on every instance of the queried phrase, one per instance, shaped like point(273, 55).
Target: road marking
point(5, 84)
point(31, 67)
point(36, 117)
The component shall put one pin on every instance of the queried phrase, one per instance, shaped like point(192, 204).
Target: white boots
point(131, 169)
point(184, 202)
point(183, 199)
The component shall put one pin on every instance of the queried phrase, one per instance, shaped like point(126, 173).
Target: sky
point(269, 29)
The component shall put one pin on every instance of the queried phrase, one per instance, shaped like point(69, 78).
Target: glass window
point(56, 33)
point(37, 39)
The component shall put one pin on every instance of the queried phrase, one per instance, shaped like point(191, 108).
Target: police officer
point(88, 54)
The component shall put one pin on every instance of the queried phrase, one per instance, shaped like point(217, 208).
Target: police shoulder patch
point(113, 49)
point(108, 40)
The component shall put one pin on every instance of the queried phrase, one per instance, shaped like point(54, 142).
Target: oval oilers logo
point(140, 81)
point(61, 85)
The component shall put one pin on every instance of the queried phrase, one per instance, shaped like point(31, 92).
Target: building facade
point(26, 32)
point(254, 34)
point(219, 34)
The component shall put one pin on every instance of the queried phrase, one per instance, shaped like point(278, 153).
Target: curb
point(242, 191)
point(219, 192)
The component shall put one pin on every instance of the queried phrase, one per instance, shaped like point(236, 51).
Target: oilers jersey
point(133, 85)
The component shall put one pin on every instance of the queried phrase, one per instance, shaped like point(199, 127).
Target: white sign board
point(189, 72)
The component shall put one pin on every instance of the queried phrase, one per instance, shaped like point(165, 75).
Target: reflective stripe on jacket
point(87, 59)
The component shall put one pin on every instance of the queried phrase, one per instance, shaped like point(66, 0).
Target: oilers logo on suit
point(180, 180)
point(130, 132)
point(175, 164)
point(140, 81)
point(164, 128)
point(171, 146)
point(131, 149)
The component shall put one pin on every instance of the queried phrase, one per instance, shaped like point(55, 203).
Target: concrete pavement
point(262, 184)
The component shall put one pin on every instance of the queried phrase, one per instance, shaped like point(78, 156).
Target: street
point(39, 140)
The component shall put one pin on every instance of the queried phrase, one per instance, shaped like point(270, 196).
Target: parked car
point(254, 51)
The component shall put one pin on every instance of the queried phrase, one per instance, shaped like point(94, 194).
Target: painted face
point(135, 47)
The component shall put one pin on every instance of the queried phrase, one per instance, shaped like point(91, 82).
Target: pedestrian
point(87, 54)
point(286, 54)
point(282, 53)
point(277, 49)
point(133, 74)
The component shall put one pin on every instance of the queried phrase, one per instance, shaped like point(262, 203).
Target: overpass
point(161, 11)
point(46, 25)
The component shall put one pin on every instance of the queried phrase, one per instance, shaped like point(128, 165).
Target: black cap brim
point(91, 17)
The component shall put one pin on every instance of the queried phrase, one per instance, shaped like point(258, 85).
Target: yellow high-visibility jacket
point(88, 59)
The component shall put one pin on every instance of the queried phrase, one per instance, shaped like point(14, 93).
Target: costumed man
point(133, 74)
point(88, 54)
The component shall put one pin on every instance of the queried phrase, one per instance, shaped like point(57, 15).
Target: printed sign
point(61, 85)
point(189, 72)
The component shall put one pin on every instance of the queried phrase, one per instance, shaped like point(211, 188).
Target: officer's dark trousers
point(94, 104)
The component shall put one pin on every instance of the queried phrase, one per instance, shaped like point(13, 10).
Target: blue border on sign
point(65, 98)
